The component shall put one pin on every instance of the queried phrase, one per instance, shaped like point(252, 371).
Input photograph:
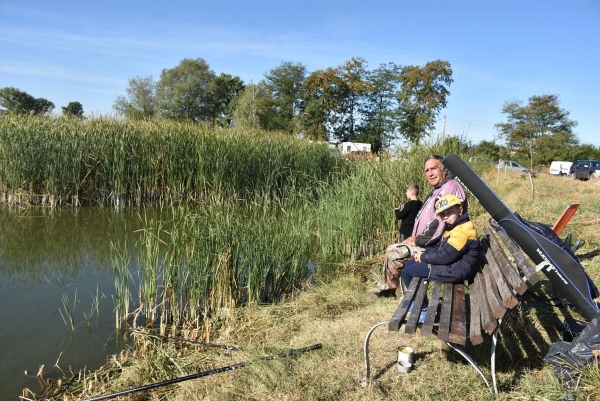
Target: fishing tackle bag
point(546, 231)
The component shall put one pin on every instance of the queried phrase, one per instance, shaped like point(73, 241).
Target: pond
point(57, 287)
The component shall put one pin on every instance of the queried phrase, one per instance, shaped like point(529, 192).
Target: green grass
point(335, 309)
point(233, 269)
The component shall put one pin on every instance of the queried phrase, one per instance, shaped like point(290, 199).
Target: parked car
point(559, 168)
point(585, 169)
point(511, 165)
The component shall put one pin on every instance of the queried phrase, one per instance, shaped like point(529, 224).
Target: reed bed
point(206, 261)
point(103, 161)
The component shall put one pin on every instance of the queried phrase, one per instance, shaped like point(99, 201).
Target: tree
point(350, 109)
point(422, 95)
point(320, 96)
point(245, 113)
point(15, 101)
point(381, 103)
point(528, 124)
point(334, 102)
point(140, 101)
point(185, 93)
point(224, 91)
point(73, 109)
point(284, 85)
point(490, 150)
point(585, 151)
point(559, 146)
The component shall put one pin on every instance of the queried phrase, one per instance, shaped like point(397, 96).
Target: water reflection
point(44, 256)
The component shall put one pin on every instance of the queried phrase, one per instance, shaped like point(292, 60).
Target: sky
point(499, 51)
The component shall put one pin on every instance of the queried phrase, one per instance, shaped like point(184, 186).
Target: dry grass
point(338, 313)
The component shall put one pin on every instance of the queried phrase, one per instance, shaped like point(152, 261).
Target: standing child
point(409, 212)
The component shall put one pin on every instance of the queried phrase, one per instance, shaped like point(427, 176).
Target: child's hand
point(418, 256)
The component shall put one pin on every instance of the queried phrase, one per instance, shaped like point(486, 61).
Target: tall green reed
point(67, 313)
point(120, 262)
point(223, 255)
point(52, 161)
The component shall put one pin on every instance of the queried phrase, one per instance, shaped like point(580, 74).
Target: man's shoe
point(389, 293)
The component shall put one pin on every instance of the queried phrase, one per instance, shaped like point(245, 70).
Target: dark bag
point(546, 231)
point(568, 358)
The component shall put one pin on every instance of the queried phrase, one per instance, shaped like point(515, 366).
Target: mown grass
point(336, 309)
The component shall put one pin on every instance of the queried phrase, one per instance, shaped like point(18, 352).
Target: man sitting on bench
point(456, 256)
point(428, 227)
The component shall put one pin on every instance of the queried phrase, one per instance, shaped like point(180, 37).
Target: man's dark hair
point(436, 157)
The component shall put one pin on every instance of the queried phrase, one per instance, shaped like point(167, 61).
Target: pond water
point(54, 267)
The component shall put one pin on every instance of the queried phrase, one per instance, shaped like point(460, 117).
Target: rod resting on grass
point(204, 373)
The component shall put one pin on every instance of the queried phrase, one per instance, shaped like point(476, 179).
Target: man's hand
point(409, 241)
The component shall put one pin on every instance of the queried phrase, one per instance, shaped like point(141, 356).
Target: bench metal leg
point(470, 360)
point(493, 355)
point(492, 359)
point(366, 349)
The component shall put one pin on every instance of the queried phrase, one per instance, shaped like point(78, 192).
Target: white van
point(559, 168)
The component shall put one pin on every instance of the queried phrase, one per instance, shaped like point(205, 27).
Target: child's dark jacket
point(456, 257)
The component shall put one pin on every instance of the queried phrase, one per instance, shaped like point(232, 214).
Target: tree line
point(15, 101)
point(347, 102)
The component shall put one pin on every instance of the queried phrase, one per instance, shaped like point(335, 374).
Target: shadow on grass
point(589, 255)
point(526, 333)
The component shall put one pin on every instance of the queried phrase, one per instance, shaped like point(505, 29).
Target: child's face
point(450, 215)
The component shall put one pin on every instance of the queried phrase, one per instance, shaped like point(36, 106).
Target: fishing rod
point(345, 139)
point(205, 373)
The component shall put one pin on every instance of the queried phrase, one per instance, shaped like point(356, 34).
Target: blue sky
point(499, 51)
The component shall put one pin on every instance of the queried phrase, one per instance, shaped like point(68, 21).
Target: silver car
point(511, 165)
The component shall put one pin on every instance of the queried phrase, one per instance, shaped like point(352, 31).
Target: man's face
point(434, 173)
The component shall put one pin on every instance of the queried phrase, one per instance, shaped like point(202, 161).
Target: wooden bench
point(457, 312)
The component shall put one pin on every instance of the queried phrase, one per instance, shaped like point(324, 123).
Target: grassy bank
point(336, 309)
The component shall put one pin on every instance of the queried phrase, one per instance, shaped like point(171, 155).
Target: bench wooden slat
point(504, 289)
point(411, 325)
point(511, 275)
point(524, 266)
point(434, 301)
point(458, 325)
point(488, 321)
point(492, 295)
point(475, 334)
point(445, 313)
point(396, 321)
